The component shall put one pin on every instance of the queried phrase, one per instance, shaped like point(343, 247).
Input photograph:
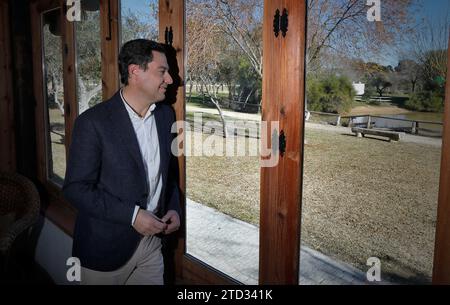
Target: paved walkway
point(227, 113)
point(232, 246)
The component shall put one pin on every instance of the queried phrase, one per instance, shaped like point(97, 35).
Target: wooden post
point(368, 121)
point(110, 47)
point(441, 265)
point(24, 99)
point(171, 15)
point(7, 149)
point(281, 185)
point(338, 120)
point(414, 127)
point(417, 128)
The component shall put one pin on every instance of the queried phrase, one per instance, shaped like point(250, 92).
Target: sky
point(436, 8)
point(432, 9)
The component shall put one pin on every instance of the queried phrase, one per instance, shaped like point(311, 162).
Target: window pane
point(88, 50)
point(369, 204)
point(139, 19)
point(224, 57)
point(54, 95)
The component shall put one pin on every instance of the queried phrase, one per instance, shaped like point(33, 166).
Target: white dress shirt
point(147, 136)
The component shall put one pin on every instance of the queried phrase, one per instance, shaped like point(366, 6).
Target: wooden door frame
point(7, 134)
point(188, 269)
point(281, 186)
point(55, 207)
point(281, 207)
point(441, 264)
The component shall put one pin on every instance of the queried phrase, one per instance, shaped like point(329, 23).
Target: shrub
point(429, 101)
point(331, 94)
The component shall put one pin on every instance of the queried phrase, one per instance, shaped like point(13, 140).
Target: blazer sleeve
point(81, 187)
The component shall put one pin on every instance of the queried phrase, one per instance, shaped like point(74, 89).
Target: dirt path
point(377, 110)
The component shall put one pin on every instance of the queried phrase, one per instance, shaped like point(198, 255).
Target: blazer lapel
point(123, 128)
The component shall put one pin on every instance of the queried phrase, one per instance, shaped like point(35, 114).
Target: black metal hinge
point(280, 22)
point(282, 143)
point(109, 21)
point(284, 23)
point(276, 23)
point(168, 36)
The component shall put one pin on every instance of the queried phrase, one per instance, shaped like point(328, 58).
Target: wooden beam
point(196, 272)
point(7, 147)
point(171, 15)
point(283, 101)
point(441, 266)
point(22, 75)
point(109, 25)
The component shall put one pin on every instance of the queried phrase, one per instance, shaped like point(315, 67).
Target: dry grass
point(361, 198)
point(365, 197)
point(228, 184)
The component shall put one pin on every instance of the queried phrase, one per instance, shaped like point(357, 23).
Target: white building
point(359, 88)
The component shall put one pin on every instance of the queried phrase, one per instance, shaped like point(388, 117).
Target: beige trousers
point(145, 267)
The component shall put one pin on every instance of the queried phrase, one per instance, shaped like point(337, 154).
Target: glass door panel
point(372, 154)
point(54, 95)
point(88, 56)
point(223, 114)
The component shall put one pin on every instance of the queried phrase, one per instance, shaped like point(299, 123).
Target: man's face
point(153, 82)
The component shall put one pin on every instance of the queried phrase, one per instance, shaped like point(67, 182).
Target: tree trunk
point(413, 86)
point(215, 101)
point(56, 88)
point(247, 98)
point(85, 95)
point(222, 118)
point(191, 84)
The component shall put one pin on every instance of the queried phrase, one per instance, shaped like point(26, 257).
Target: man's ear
point(133, 70)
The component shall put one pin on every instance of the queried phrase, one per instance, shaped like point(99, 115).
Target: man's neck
point(136, 101)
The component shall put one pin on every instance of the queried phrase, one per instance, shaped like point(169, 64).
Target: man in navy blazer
point(122, 177)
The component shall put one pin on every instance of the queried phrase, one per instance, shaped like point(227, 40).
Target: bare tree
point(409, 71)
point(430, 44)
point(241, 21)
point(53, 65)
point(341, 26)
point(203, 53)
point(140, 24)
point(89, 83)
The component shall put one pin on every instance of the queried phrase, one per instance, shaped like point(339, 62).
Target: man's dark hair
point(137, 52)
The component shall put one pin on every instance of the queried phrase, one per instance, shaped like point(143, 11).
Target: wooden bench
point(391, 135)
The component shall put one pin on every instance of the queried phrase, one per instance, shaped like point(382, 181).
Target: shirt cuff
point(136, 210)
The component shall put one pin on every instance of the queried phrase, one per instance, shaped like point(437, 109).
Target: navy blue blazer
point(105, 180)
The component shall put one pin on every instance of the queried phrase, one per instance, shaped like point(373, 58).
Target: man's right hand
point(148, 224)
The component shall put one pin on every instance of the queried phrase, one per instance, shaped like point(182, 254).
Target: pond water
point(424, 128)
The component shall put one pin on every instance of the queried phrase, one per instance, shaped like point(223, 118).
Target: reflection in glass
point(369, 202)
point(224, 73)
point(139, 19)
point(54, 95)
point(88, 51)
